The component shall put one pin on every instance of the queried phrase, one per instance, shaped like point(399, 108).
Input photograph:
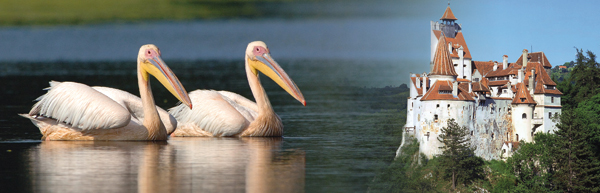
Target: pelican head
point(149, 62)
point(259, 59)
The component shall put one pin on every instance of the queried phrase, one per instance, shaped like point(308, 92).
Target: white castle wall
point(482, 121)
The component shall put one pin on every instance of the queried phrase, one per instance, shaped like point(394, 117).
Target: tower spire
point(442, 63)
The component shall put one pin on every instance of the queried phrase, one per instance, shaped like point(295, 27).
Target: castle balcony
point(537, 121)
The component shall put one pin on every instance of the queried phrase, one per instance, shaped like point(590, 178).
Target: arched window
point(517, 137)
point(524, 115)
point(552, 100)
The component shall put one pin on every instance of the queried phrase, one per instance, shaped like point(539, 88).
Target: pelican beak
point(269, 67)
point(163, 73)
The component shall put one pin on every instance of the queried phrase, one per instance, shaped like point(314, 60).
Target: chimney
point(495, 66)
point(525, 58)
point(470, 87)
point(504, 62)
point(531, 81)
point(418, 82)
point(455, 88)
point(520, 76)
point(424, 85)
point(450, 47)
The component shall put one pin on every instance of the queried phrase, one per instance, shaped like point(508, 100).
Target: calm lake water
point(337, 143)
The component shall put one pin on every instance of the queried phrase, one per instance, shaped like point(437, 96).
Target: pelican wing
point(221, 113)
point(134, 105)
point(80, 106)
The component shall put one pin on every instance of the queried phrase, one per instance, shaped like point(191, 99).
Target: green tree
point(532, 165)
point(583, 82)
point(458, 159)
point(577, 164)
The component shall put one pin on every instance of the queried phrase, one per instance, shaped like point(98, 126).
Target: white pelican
point(223, 113)
point(74, 111)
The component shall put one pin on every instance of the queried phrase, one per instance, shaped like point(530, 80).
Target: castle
point(500, 103)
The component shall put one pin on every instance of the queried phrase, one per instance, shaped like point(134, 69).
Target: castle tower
point(442, 63)
point(522, 114)
point(457, 47)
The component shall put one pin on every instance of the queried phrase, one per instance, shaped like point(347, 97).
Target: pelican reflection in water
point(74, 111)
point(182, 165)
point(223, 113)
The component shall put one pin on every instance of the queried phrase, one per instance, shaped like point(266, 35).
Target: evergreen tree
point(458, 159)
point(533, 165)
point(584, 79)
point(577, 166)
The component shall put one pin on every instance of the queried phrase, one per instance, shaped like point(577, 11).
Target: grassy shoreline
point(70, 12)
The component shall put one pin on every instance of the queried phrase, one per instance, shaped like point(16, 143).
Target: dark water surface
point(337, 143)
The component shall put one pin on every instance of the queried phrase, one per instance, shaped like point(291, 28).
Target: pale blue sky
point(496, 28)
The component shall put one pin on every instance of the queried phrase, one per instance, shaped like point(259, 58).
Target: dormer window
point(445, 92)
point(522, 99)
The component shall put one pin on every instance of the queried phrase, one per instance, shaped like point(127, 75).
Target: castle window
point(517, 137)
point(448, 105)
point(437, 106)
point(549, 115)
point(435, 118)
point(455, 64)
point(522, 99)
point(471, 133)
point(476, 79)
point(552, 99)
point(492, 135)
point(465, 77)
point(428, 136)
point(524, 116)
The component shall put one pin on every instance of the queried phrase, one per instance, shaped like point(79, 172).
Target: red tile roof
point(480, 87)
point(442, 64)
point(536, 57)
point(448, 15)
point(541, 78)
point(457, 42)
point(512, 69)
point(565, 67)
point(498, 82)
point(434, 94)
point(414, 82)
point(522, 96)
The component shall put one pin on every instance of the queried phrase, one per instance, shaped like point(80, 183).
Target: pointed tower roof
point(522, 96)
point(448, 15)
point(442, 63)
